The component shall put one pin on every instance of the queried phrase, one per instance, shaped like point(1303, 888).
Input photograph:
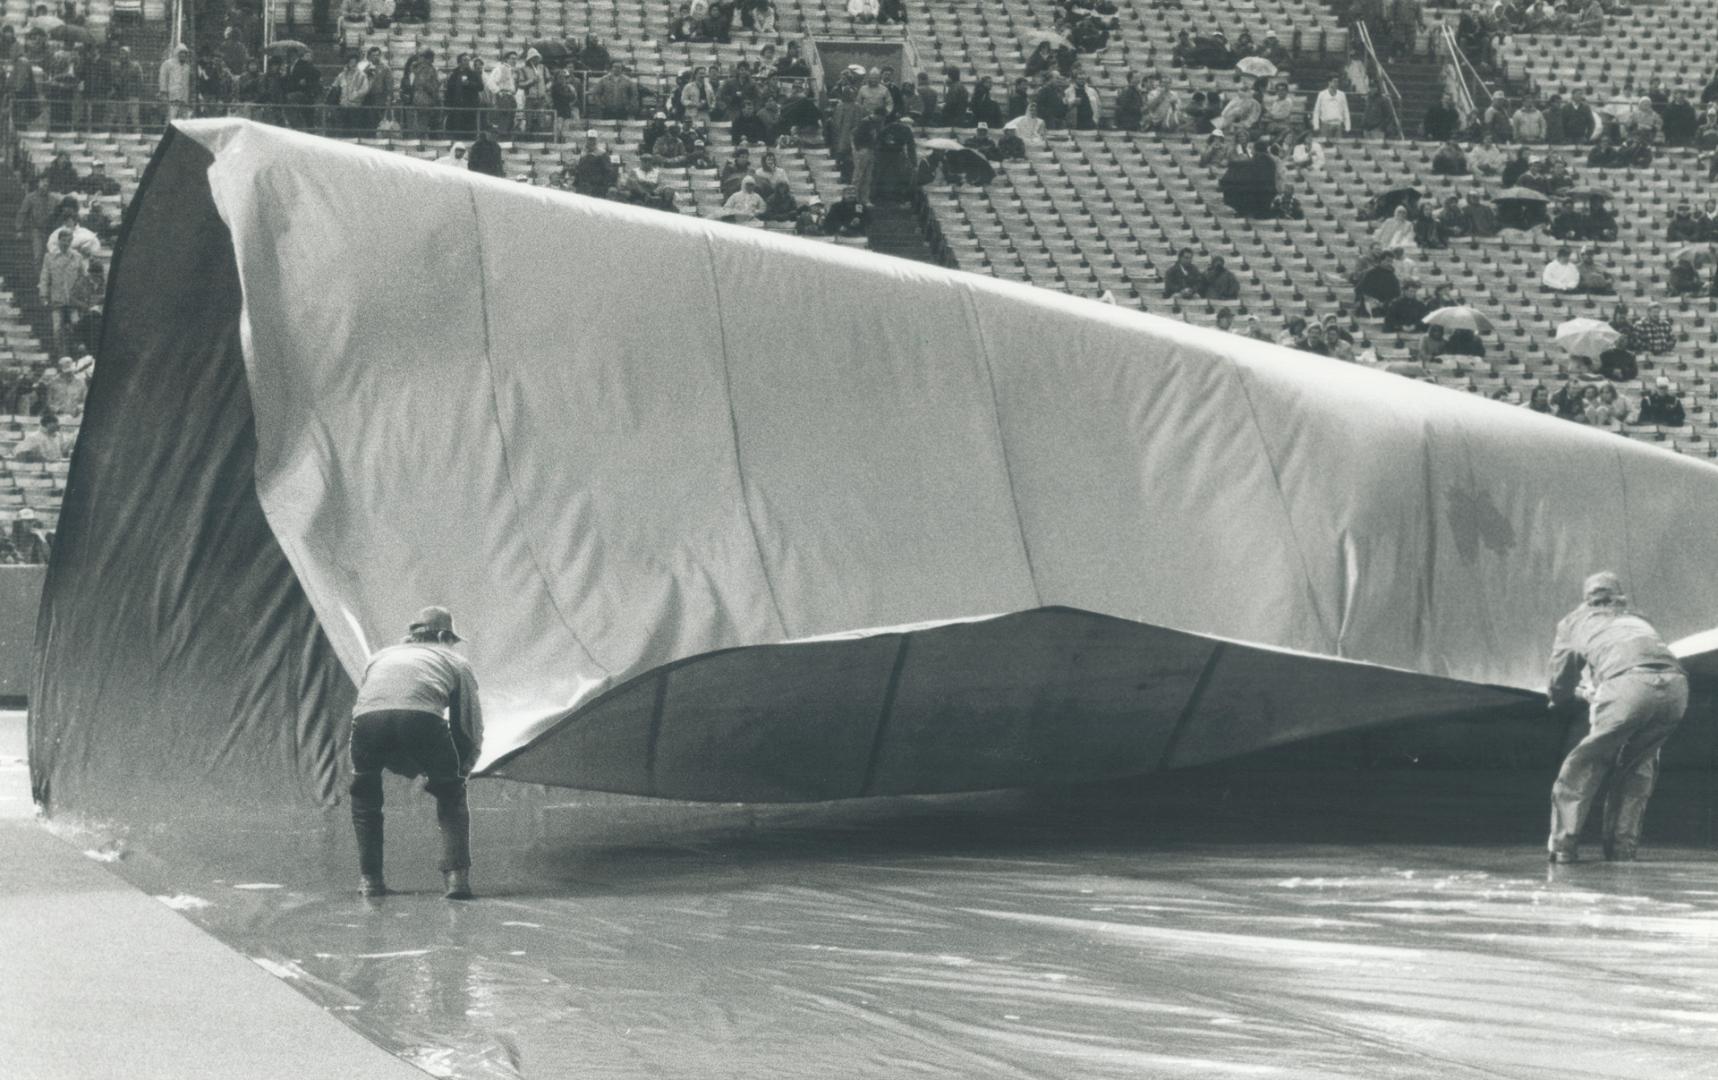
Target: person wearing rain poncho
point(745, 205)
point(1396, 233)
point(1637, 693)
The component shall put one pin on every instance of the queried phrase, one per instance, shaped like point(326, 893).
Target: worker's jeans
point(409, 743)
point(1632, 716)
point(864, 170)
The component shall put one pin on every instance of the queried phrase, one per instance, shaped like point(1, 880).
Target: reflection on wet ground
point(1387, 924)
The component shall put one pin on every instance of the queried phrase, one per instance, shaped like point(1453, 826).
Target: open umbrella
point(77, 35)
point(1384, 205)
point(1039, 37)
point(286, 47)
point(1587, 193)
point(1587, 337)
point(1460, 317)
point(1698, 252)
point(940, 143)
point(968, 166)
point(1379, 283)
point(1256, 66)
point(1521, 194)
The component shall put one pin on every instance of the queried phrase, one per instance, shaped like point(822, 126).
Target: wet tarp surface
point(687, 477)
point(1201, 924)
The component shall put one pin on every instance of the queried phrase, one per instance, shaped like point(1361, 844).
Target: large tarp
point(731, 515)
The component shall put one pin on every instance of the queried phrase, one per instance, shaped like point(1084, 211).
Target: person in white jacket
point(1330, 111)
point(503, 90)
point(174, 82)
point(417, 713)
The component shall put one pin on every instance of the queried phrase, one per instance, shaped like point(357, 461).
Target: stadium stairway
point(901, 231)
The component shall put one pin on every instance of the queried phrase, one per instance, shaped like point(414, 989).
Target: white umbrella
point(940, 144)
point(1256, 66)
point(1460, 317)
point(1038, 37)
point(1587, 337)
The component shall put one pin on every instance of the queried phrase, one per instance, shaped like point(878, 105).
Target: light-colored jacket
point(60, 273)
point(426, 677)
point(174, 81)
point(1607, 640)
point(1331, 107)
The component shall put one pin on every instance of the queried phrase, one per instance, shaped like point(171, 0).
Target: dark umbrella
point(77, 35)
point(1387, 202)
point(969, 165)
point(287, 47)
point(1379, 283)
point(802, 113)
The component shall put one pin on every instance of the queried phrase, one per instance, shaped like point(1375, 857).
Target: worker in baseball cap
point(417, 714)
point(1638, 694)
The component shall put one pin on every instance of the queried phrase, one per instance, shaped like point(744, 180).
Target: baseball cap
point(438, 619)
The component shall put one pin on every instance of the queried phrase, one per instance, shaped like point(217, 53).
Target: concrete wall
point(20, 594)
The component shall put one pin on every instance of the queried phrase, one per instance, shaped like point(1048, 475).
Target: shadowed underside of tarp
point(658, 529)
point(1039, 697)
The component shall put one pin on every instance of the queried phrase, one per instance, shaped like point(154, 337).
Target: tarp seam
point(734, 431)
point(1002, 444)
point(1288, 514)
point(501, 438)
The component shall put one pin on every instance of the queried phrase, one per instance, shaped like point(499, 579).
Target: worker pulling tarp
point(685, 485)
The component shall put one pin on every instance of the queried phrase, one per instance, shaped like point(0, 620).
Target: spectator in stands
point(1605, 407)
point(37, 215)
point(616, 96)
point(1161, 107)
point(64, 391)
point(1539, 401)
point(1579, 124)
point(1219, 282)
point(1661, 406)
point(1308, 153)
point(1685, 227)
point(1184, 279)
point(1449, 161)
point(62, 175)
point(61, 269)
point(983, 106)
point(745, 205)
point(642, 185)
point(126, 90)
point(174, 82)
point(454, 158)
point(1517, 167)
point(1130, 105)
point(1595, 280)
point(1569, 402)
point(88, 296)
point(25, 544)
point(1051, 98)
point(1561, 274)
point(775, 186)
point(956, 102)
point(350, 86)
point(1679, 121)
point(1396, 233)
point(485, 156)
point(1085, 106)
point(848, 217)
point(1486, 158)
point(1498, 119)
point(1529, 122)
point(1029, 128)
point(594, 172)
point(1463, 342)
point(792, 64)
point(46, 445)
point(1330, 111)
point(1249, 183)
point(1618, 364)
point(1685, 279)
point(1405, 313)
point(1282, 115)
point(1643, 124)
point(592, 56)
point(865, 137)
point(463, 96)
point(1241, 112)
point(748, 127)
point(734, 172)
point(1656, 330)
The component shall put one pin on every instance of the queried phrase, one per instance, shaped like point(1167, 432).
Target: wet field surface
point(1282, 924)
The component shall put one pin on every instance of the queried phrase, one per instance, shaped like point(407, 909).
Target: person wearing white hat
point(417, 714)
point(26, 542)
point(1638, 694)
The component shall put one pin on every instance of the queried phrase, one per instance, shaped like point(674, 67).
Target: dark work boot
point(458, 885)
